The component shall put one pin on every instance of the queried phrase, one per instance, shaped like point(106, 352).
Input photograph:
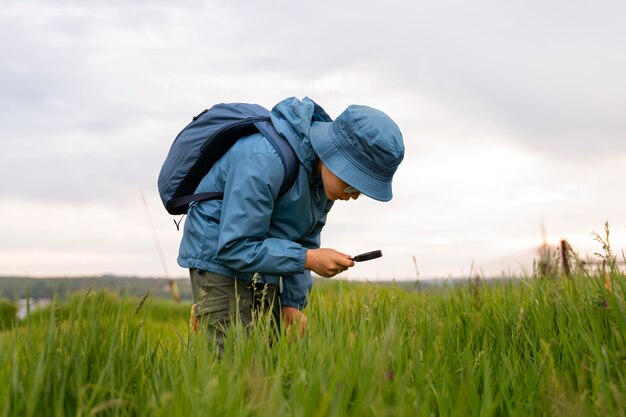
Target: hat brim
point(325, 144)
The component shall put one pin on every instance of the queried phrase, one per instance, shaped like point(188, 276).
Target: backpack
point(203, 141)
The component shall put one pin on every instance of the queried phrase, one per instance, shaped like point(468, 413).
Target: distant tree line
point(15, 288)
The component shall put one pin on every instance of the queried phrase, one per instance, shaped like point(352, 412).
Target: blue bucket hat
point(363, 147)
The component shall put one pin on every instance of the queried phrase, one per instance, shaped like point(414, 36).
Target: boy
point(254, 249)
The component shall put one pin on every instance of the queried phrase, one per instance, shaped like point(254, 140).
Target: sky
point(513, 116)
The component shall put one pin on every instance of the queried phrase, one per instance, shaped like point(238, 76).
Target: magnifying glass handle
point(367, 256)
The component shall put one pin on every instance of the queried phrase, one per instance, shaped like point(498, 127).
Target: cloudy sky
point(513, 115)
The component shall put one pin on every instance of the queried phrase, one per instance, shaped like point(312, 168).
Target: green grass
point(534, 347)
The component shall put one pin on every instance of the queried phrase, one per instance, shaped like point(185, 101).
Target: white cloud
point(512, 115)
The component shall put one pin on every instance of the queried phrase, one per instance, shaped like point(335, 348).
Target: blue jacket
point(251, 230)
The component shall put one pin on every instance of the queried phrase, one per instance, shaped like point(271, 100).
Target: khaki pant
point(221, 301)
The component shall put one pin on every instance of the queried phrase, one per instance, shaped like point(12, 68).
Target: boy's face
point(334, 187)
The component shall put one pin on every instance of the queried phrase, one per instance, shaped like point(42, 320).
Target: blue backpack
point(203, 141)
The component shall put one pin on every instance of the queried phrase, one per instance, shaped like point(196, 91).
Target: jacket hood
point(293, 118)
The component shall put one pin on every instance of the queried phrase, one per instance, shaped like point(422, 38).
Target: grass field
point(519, 348)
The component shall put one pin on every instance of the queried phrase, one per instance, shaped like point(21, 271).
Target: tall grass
point(535, 347)
point(8, 312)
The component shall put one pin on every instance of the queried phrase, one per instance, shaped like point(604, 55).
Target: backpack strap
point(185, 200)
point(285, 152)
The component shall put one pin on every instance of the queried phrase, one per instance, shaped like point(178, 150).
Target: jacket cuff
point(302, 259)
point(291, 303)
point(296, 289)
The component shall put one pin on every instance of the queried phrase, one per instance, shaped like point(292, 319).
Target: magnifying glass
point(367, 256)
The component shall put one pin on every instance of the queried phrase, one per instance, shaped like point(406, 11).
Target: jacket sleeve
point(251, 187)
point(296, 289)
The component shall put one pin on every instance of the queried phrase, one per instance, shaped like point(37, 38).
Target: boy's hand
point(294, 317)
point(327, 262)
